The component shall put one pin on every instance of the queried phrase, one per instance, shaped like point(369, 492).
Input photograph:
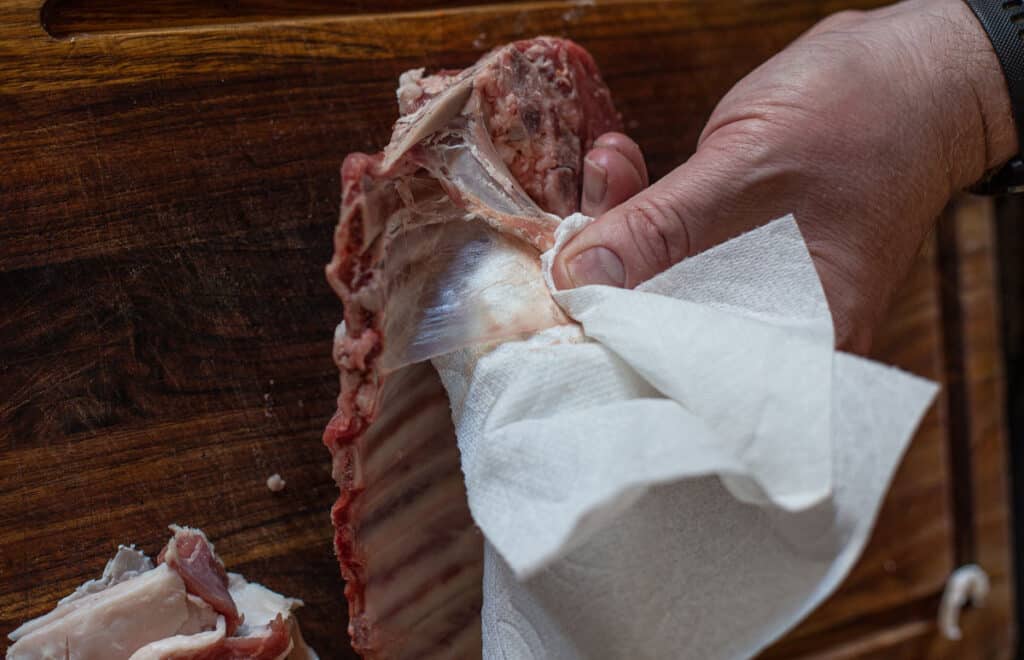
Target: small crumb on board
point(275, 483)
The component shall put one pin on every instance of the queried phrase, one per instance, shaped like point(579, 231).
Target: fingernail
point(597, 265)
point(595, 182)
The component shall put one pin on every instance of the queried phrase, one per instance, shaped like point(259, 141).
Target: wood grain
point(210, 130)
point(65, 18)
point(167, 199)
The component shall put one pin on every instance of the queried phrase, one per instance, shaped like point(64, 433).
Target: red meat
point(482, 160)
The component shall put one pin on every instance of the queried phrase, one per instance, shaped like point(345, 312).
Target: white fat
point(201, 616)
point(126, 564)
point(181, 644)
point(257, 604)
point(409, 90)
point(275, 483)
point(111, 624)
point(504, 278)
point(137, 612)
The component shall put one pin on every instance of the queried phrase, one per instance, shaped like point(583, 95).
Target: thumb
point(701, 203)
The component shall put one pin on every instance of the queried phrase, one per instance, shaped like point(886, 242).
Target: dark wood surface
point(168, 190)
point(1009, 243)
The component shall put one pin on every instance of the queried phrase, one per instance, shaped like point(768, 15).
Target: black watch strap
point(1003, 20)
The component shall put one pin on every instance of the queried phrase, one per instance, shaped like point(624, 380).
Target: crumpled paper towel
point(689, 473)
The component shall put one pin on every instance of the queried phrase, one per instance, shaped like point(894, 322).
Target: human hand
point(863, 128)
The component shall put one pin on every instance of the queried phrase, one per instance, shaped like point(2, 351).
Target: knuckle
point(755, 140)
point(659, 234)
point(839, 20)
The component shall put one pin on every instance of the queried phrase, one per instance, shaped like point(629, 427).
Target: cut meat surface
point(191, 556)
point(481, 166)
point(186, 608)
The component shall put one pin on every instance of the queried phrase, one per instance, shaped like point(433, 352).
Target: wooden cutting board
point(168, 191)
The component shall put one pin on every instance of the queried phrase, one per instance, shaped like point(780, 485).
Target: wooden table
point(168, 190)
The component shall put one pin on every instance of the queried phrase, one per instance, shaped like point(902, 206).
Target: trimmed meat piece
point(186, 608)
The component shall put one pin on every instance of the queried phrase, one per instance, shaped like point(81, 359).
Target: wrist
point(965, 66)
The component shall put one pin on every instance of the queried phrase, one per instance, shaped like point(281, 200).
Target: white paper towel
point(689, 474)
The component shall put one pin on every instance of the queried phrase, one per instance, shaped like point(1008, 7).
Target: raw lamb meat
point(481, 166)
point(185, 608)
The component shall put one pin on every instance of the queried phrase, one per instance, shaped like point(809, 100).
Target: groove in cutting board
point(959, 422)
point(65, 18)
